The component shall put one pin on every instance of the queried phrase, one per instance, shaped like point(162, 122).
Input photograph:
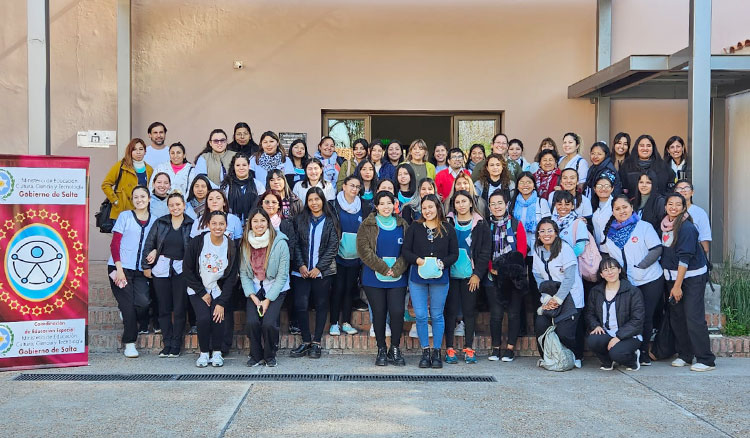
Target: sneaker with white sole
point(701, 367)
point(217, 360)
point(508, 356)
point(578, 363)
point(202, 361)
point(679, 363)
point(130, 350)
point(637, 362)
point(348, 329)
point(387, 330)
point(607, 366)
point(372, 330)
point(460, 329)
point(495, 354)
point(335, 330)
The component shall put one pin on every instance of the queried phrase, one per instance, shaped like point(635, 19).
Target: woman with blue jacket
point(264, 272)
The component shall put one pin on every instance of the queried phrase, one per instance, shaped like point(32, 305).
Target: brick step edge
point(109, 341)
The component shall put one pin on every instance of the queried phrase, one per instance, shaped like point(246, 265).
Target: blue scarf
point(330, 167)
point(529, 221)
point(386, 223)
point(620, 232)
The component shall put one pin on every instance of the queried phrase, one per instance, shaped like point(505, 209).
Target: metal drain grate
point(252, 377)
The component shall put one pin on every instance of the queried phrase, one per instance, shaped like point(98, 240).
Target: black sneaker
point(193, 330)
point(435, 358)
point(300, 351)
point(225, 353)
point(174, 352)
point(271, 362)
point(394, 355)
point(165, 352)
point(359, 304)
point(495, 355)
point(381, 360)
point(254, 363)
point(294, 330)
point(143, 331)
point(425, 361)
point(315, 351)
point(508, 356)
point(645, 359)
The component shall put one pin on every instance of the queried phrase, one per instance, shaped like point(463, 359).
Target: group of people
point(598, 248)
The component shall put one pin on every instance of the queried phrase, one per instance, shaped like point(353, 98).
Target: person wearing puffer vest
point(264, 273)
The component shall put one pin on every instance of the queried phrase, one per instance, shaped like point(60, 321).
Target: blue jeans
point(436, 293)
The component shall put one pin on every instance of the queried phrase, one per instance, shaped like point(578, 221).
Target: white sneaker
point(413, 331)
point(202, 361)
point(679, 363)
point(387, 330)
point(335, 330)
point(637, 362)
point(348, 329)
point(130, 350)
point(701, 367)
point(372, 330)
point(578, 363)
point(460, 329)
point(216, 359)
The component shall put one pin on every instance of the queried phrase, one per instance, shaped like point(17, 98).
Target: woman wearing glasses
point(214, 160)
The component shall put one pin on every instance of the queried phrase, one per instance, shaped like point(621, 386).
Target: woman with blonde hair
point(417, 158)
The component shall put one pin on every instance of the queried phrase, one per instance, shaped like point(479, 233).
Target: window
point(345, 129)
point(471, 130)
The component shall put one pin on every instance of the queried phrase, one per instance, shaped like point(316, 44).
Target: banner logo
point(6, 339)
point(7, 184)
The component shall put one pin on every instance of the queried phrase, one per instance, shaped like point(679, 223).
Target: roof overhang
point(662, 77)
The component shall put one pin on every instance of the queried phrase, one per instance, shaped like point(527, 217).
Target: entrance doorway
point(459, 129)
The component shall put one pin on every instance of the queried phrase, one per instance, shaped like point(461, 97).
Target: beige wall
point(738, 130)
point(301, 57)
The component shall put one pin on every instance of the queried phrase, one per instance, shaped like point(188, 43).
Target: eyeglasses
point(219, 141)
point(609, 269)
point(353, 186)
point(683, 189)
point(270, 202)
point(497, 204)
point(547, 231)
point(603, 186)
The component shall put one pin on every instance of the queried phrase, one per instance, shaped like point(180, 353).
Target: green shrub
point(735, 298)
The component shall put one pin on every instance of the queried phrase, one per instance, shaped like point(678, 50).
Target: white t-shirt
point(212, 263)
point(557, 267)
point(600, 218)
point(329, 190)
point(642, 239)
point(234, 227)
point(701, 222)
point(155, 157)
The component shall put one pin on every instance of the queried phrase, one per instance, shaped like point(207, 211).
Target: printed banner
point(44, 261)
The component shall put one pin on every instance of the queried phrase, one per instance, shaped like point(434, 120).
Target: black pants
point(228, 337)
point(499, 304)
point(171, 294)
point(623, 352)
point(320, 290)
point(383, 301)
point(459, 298)
point(132, 300)
point(342, 297)
point(530, 300)
point(152, 316)
point(566, 331)
point(653, 301)
point(210, 333)
point(688, 320)
point(263, 332)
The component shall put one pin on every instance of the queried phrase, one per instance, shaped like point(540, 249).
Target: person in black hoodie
point(648, 203)
point(644, 157)
point(686, 272)
point(601, 167)
point(243, 140)
point(313, 267)
point(211, 269)
point(474, 246)
point(163, 254)
point(614, 316)
point(240, 187)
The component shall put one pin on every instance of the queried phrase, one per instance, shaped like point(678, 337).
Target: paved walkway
point(525, 401)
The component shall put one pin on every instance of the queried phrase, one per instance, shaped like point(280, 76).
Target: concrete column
point(699, 100)
point(124, 121)
point(719, 176)
point(603, 60)
point(38, 76)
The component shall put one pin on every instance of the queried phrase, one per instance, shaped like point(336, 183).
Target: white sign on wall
point(96, 139)
point(27, 185)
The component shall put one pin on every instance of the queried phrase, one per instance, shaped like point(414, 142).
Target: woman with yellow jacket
point(124, 176)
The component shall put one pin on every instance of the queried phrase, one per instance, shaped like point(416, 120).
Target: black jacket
point(191, 269)
point(329, 246)
point(287, 227)
point(481, 247)
point(417, 245)
point(687, 249)
point(653, 212)
point(628, 305)
point(630, 171)
point(158, 233)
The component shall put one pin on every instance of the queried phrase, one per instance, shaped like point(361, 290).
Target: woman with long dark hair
point(242, 140)
point(572, 159)
point(648, 203)
point(211, 268)
point(495, 175)
point(126, 277)
point(291, 205)
point(299, 156)
point(241, 187)
point(413, 210)
point(360, 150)
point(439, 157)
point(178, 168)
point(270, 156)
point(676, 156)
point(313, 268)
point(383, 166)
point(216, 200)
point(215, 160)
point(380, 241)
point(642, 159)
point(368, 176)
point(264, 272)
point(601, 166)
point(314, 178)
point(406, 184)
point(620, 149)
point(602, 204)
point(162, 260)
point(685, 269)
point(196, 199)
point(431, 247)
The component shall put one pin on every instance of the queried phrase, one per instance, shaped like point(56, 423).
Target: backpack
point(555, 357)
point(588, 261)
